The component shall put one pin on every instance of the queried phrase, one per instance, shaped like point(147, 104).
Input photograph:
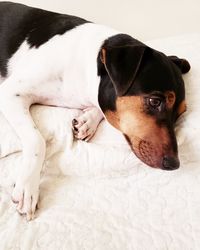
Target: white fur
point(66, 66)
point(61, 72)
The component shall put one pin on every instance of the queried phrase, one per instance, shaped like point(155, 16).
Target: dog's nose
point(170, 163)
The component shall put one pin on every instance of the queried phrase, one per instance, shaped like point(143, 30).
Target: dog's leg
point(85, 126)
point(15, 107)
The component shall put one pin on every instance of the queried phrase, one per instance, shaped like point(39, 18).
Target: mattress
point(98, 195)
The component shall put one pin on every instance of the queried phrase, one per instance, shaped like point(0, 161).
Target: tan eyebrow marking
point(170, 99)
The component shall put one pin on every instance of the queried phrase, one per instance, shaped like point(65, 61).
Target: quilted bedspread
point(98, 195)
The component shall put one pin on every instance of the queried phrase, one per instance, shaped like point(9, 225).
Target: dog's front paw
point(25, 196)
point(84, 126)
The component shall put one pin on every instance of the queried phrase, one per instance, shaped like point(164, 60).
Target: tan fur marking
point(130, 118)
point(133, 121)
point(181, 108)
point(170, 99)
point(112, 118)
point(103, 56)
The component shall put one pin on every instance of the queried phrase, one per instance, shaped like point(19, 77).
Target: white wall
point(143, 19)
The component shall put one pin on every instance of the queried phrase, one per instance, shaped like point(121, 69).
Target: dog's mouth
point(156, 156)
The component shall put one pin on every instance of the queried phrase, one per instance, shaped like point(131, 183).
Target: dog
point(66, 61)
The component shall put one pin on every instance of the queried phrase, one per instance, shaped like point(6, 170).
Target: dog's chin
point(153, 158)
point(145, 151)
point(147, 158)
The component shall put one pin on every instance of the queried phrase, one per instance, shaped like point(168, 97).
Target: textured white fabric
point(98, 195)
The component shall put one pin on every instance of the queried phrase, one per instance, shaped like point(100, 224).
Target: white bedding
point(98, 195)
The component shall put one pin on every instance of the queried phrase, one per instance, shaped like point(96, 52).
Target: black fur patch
point(107, 95)
point(123, 68)
point(19, 22)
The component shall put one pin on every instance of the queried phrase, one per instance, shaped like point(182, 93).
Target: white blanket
point(98, 195)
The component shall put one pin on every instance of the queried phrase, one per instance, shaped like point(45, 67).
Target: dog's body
point(65, 61)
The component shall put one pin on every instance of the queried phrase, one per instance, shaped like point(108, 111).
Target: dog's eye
point(155, 102)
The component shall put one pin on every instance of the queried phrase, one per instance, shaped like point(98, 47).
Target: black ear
point(182, 64)
point(122, 64)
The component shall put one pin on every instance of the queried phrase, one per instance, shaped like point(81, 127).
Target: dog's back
point(19, 22)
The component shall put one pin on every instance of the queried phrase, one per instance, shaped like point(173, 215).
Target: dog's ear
point(182, 64)
point(122, 64)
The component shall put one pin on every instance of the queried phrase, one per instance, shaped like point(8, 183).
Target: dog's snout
point(170, 163)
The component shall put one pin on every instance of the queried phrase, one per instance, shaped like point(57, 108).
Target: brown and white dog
point(66, 61)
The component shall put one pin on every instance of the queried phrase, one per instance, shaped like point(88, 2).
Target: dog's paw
point(84, 126)
point(25, 195)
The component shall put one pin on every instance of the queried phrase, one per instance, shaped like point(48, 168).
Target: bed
point(98, 195)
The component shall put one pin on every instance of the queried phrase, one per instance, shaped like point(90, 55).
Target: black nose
point(170, 163)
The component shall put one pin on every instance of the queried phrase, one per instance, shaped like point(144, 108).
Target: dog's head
point(142, 94)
